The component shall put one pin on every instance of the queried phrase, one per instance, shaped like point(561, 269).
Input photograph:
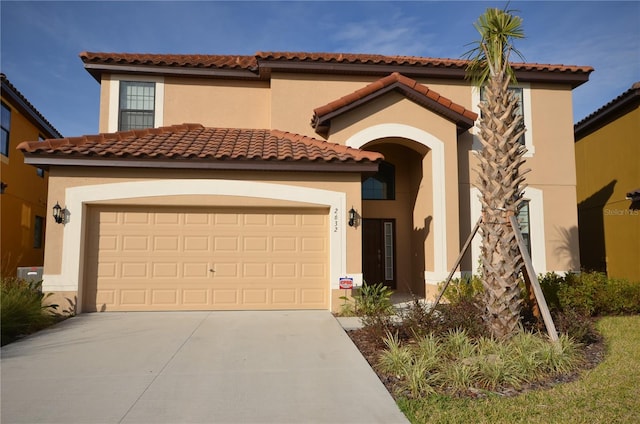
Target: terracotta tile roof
point(260, 64)
point(172, 60)
point(406, 60)
point(419, 93)
point(197, 143)
point(10, 90)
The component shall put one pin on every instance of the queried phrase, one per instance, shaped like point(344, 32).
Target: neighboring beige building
point(607, 152)
point(267, 178)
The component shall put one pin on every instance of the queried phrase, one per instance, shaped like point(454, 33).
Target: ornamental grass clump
point(21, 309)
point(456, 363)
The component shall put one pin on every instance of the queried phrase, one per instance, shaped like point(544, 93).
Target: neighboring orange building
point(607, 144)
point(24, 187)
point(259, 182)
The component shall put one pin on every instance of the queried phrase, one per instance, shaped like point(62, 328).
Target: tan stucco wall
point(103, 121)
point(607, 169)
point(217, 103)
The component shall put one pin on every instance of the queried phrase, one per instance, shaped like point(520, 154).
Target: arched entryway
point(418, 214)
point(397, 213)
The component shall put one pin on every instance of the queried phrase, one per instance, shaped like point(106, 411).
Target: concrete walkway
point(192, 367)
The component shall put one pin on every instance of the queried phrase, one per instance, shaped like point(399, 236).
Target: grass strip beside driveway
point(605, 394)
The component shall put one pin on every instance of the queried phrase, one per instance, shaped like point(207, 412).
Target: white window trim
point(528, 134)
point(536, 225)
point(114, 99)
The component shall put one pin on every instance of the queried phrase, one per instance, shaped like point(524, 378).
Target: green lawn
point(610, 393)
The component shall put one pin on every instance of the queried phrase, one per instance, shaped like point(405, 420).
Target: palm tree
point(501, 183)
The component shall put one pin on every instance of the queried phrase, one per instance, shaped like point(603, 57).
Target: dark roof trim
point(249, 165)
point(415, 71)
point(619, 106)
point(97, 69)
point(19, 101)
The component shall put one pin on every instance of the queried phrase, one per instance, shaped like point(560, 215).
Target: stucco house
point(23, 189)
point(608, 186)
point(258, 182)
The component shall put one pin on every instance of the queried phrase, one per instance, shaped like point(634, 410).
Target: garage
point(159, 258)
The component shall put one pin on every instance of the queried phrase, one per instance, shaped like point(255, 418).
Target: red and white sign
point(346, 283)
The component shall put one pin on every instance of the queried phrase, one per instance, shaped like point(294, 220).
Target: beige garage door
point(159, 258)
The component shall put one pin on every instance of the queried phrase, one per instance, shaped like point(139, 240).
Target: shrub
point(576, 325)
point(21, 310)
point(368, 300)
point(463, 315)
point(579, 291)
point(373, 299)
point(618, 297)
point(466, 288)
point(590, 294)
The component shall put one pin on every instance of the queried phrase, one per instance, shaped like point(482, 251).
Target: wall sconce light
point(60, 214)
point(353, 217)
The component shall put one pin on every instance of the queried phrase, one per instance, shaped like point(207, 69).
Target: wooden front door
point(378, 251)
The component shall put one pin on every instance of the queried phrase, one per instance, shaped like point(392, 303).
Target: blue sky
point(40, 41)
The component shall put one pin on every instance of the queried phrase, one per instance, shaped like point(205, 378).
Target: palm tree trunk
point(501, 185)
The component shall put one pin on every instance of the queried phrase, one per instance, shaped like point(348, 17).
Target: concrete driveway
point(192, 367)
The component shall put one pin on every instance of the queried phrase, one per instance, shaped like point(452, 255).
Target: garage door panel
point(165, 270)
point(132, 297)
point(166, 258)
point(197, 244)
point(168, 297)
point(198, 270)
point(136, 218)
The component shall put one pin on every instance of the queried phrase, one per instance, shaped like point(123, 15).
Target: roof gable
point(418, 93)
point(192, 145)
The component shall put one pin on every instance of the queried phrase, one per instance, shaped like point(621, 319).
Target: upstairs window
point(137, 105)
point(518, 92)
point(6, 129)
point(380, 186)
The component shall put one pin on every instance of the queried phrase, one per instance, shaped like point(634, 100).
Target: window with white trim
point(137, 105)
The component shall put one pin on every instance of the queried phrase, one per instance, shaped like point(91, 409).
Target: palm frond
point(490, 56)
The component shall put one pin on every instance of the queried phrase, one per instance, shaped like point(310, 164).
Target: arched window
point(382, 185)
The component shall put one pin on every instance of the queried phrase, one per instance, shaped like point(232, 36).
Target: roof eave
point(453, 71)
point(97, 69)
point(46, 161)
